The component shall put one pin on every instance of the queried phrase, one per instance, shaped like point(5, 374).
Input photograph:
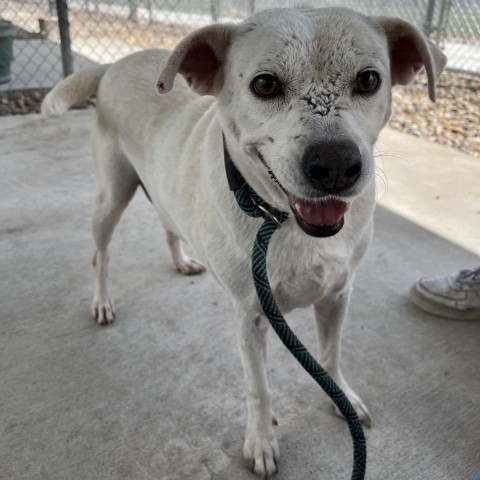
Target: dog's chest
point(301, 276)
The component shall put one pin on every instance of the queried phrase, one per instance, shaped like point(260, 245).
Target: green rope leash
point(254, 206)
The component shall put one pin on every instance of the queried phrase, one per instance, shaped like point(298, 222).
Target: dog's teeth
point(297, 207)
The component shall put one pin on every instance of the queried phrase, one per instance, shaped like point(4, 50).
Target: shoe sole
point(442, 310)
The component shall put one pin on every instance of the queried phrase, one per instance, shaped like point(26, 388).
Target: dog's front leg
point(260, 448)
point(330, 312)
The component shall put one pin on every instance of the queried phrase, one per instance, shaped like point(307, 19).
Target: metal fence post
point(52, 8)
point(65, 44)
point(215, 10)
point(443, 20)
point(428, 23)
point(133, 16)
point(150, 10)
point(251, 7)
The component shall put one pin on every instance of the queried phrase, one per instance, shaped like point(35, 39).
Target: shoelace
point(470, 278)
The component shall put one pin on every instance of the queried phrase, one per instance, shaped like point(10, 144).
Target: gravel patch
point(21, 102)
point(452, 121)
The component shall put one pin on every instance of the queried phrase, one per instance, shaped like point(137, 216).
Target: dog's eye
point(266, 86)
point(367, 82)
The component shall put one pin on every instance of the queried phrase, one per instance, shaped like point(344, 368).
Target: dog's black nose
point(332, 166)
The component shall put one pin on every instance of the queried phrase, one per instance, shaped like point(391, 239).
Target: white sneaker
point(453, 296)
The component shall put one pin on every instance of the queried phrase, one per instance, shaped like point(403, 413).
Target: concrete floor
point(159, 395)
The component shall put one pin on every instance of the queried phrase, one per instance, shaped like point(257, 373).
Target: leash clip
point(266, 213)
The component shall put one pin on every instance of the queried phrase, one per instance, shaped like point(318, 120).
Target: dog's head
point(302, 96)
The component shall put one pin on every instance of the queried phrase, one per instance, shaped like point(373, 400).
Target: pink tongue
point(319, 213)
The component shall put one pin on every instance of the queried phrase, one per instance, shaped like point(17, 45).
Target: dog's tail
point(72, 90)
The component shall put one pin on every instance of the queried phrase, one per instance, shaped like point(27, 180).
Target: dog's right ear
point(199, 57)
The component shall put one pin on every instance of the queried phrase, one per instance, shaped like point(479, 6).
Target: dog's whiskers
point(382, 180)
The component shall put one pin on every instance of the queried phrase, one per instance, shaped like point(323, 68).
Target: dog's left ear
point(410, 50)
point(199, 57)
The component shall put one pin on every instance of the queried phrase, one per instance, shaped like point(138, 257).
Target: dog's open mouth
point(318, 218)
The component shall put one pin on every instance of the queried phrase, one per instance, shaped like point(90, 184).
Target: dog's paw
point(189, 266)
point(103, 311)
point(359, 406)
point(261, 453)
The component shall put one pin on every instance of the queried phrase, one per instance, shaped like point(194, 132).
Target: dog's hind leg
point(329, 315)
point(116, 182)
point(184, 264)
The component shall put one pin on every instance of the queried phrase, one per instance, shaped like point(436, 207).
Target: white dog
point(300, 96)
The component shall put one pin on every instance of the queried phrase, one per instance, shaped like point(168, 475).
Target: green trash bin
point(6, 50)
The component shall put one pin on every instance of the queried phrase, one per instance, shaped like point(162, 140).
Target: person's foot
point(454, 296)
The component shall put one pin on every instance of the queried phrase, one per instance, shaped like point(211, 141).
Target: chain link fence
point(39, 42)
